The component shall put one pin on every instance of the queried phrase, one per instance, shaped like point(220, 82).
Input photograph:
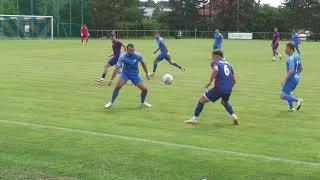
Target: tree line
point(227, 15)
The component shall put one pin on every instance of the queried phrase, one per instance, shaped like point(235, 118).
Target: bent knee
point(203, 100)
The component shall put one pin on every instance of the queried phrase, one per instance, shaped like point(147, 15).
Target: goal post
point(26, 26)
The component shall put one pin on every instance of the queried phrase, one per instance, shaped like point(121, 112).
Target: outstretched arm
point(213, 76)
point(233, 80)
point(300, 70)
point(156, 51)
point(145, 69)
point(124, 47)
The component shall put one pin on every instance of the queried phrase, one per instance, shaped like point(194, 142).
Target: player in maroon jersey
point(84, 33)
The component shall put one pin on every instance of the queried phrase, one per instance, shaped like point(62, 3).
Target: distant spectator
point(27, 31)
point(179, 34)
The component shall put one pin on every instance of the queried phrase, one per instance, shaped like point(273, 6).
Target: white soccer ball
point(167, 79)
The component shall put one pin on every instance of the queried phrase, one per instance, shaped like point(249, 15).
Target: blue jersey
point(218, 39)
point(223, 81)
point(294, 63)
point(162, 45)
point(295, 38)
point(130, 64)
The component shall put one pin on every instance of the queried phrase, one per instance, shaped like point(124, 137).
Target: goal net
point(26, 26)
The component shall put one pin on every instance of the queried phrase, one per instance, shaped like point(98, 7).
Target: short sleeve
point(140, 58)
point(162, 41)
point(291, 63)
point(214, 63)
point(120, 61)
point(119, 43)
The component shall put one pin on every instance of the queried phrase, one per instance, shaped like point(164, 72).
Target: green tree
point(305, 13)
point(237, 13)
point(184, 14)
point(8, 7)
point(115, 13)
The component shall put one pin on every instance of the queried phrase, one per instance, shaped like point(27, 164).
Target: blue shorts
point(134, 78)
point(296, 46)
point(275, 47)
point(215, 46)
point(290, 86)
point(213, 95)
point(113, 61)
point(163, 56)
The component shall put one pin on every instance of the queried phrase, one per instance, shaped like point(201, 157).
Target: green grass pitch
point(53, 124)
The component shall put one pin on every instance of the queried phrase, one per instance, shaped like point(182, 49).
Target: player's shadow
point(119, 110)
point(283, 113)
point(212, 126)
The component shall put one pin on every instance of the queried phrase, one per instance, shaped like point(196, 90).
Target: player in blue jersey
point(296, 40)
point(164, 54)
point(218, 40)
point(294, 68)
point(223, 75)
point(130, 71)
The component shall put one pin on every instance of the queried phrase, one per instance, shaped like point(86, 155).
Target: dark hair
point(130, 46)
point(218, 52)
point(290, 45)
point(113, 34)
point(156, 32)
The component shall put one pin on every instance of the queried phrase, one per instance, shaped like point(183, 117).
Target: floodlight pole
point(45, 20)
point(58, 20)
point(238, 16)
point(17, 18)
point(51, 27)
point(2, 19)
point(81, 12)
point(70, 21)
point(32, 17)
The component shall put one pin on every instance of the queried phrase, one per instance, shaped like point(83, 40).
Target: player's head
point(157, 34)
point(113, 36)
point(275, 29)
point(130, 49)
point(294, 30)
point(289, 48)
point(217, 54)
point(217, 30)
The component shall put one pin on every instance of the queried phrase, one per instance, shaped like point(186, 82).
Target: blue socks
point(155, 67)
point(143, 96)
point(228, 108)
point(115, 94)
point(173, 64)
point(298, 51)
point(176, 65)
point(290, 100)
point(104, 75)
point(199, 109)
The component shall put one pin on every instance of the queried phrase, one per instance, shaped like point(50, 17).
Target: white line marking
point(255, 156)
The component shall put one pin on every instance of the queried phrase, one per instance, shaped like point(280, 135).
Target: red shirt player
point(84, 33)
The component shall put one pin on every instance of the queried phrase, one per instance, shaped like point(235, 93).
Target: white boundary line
point(254, 156)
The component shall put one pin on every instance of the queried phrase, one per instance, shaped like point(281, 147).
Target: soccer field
point(53, 123)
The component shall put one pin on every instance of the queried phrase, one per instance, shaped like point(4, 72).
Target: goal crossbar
point(4, 17)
